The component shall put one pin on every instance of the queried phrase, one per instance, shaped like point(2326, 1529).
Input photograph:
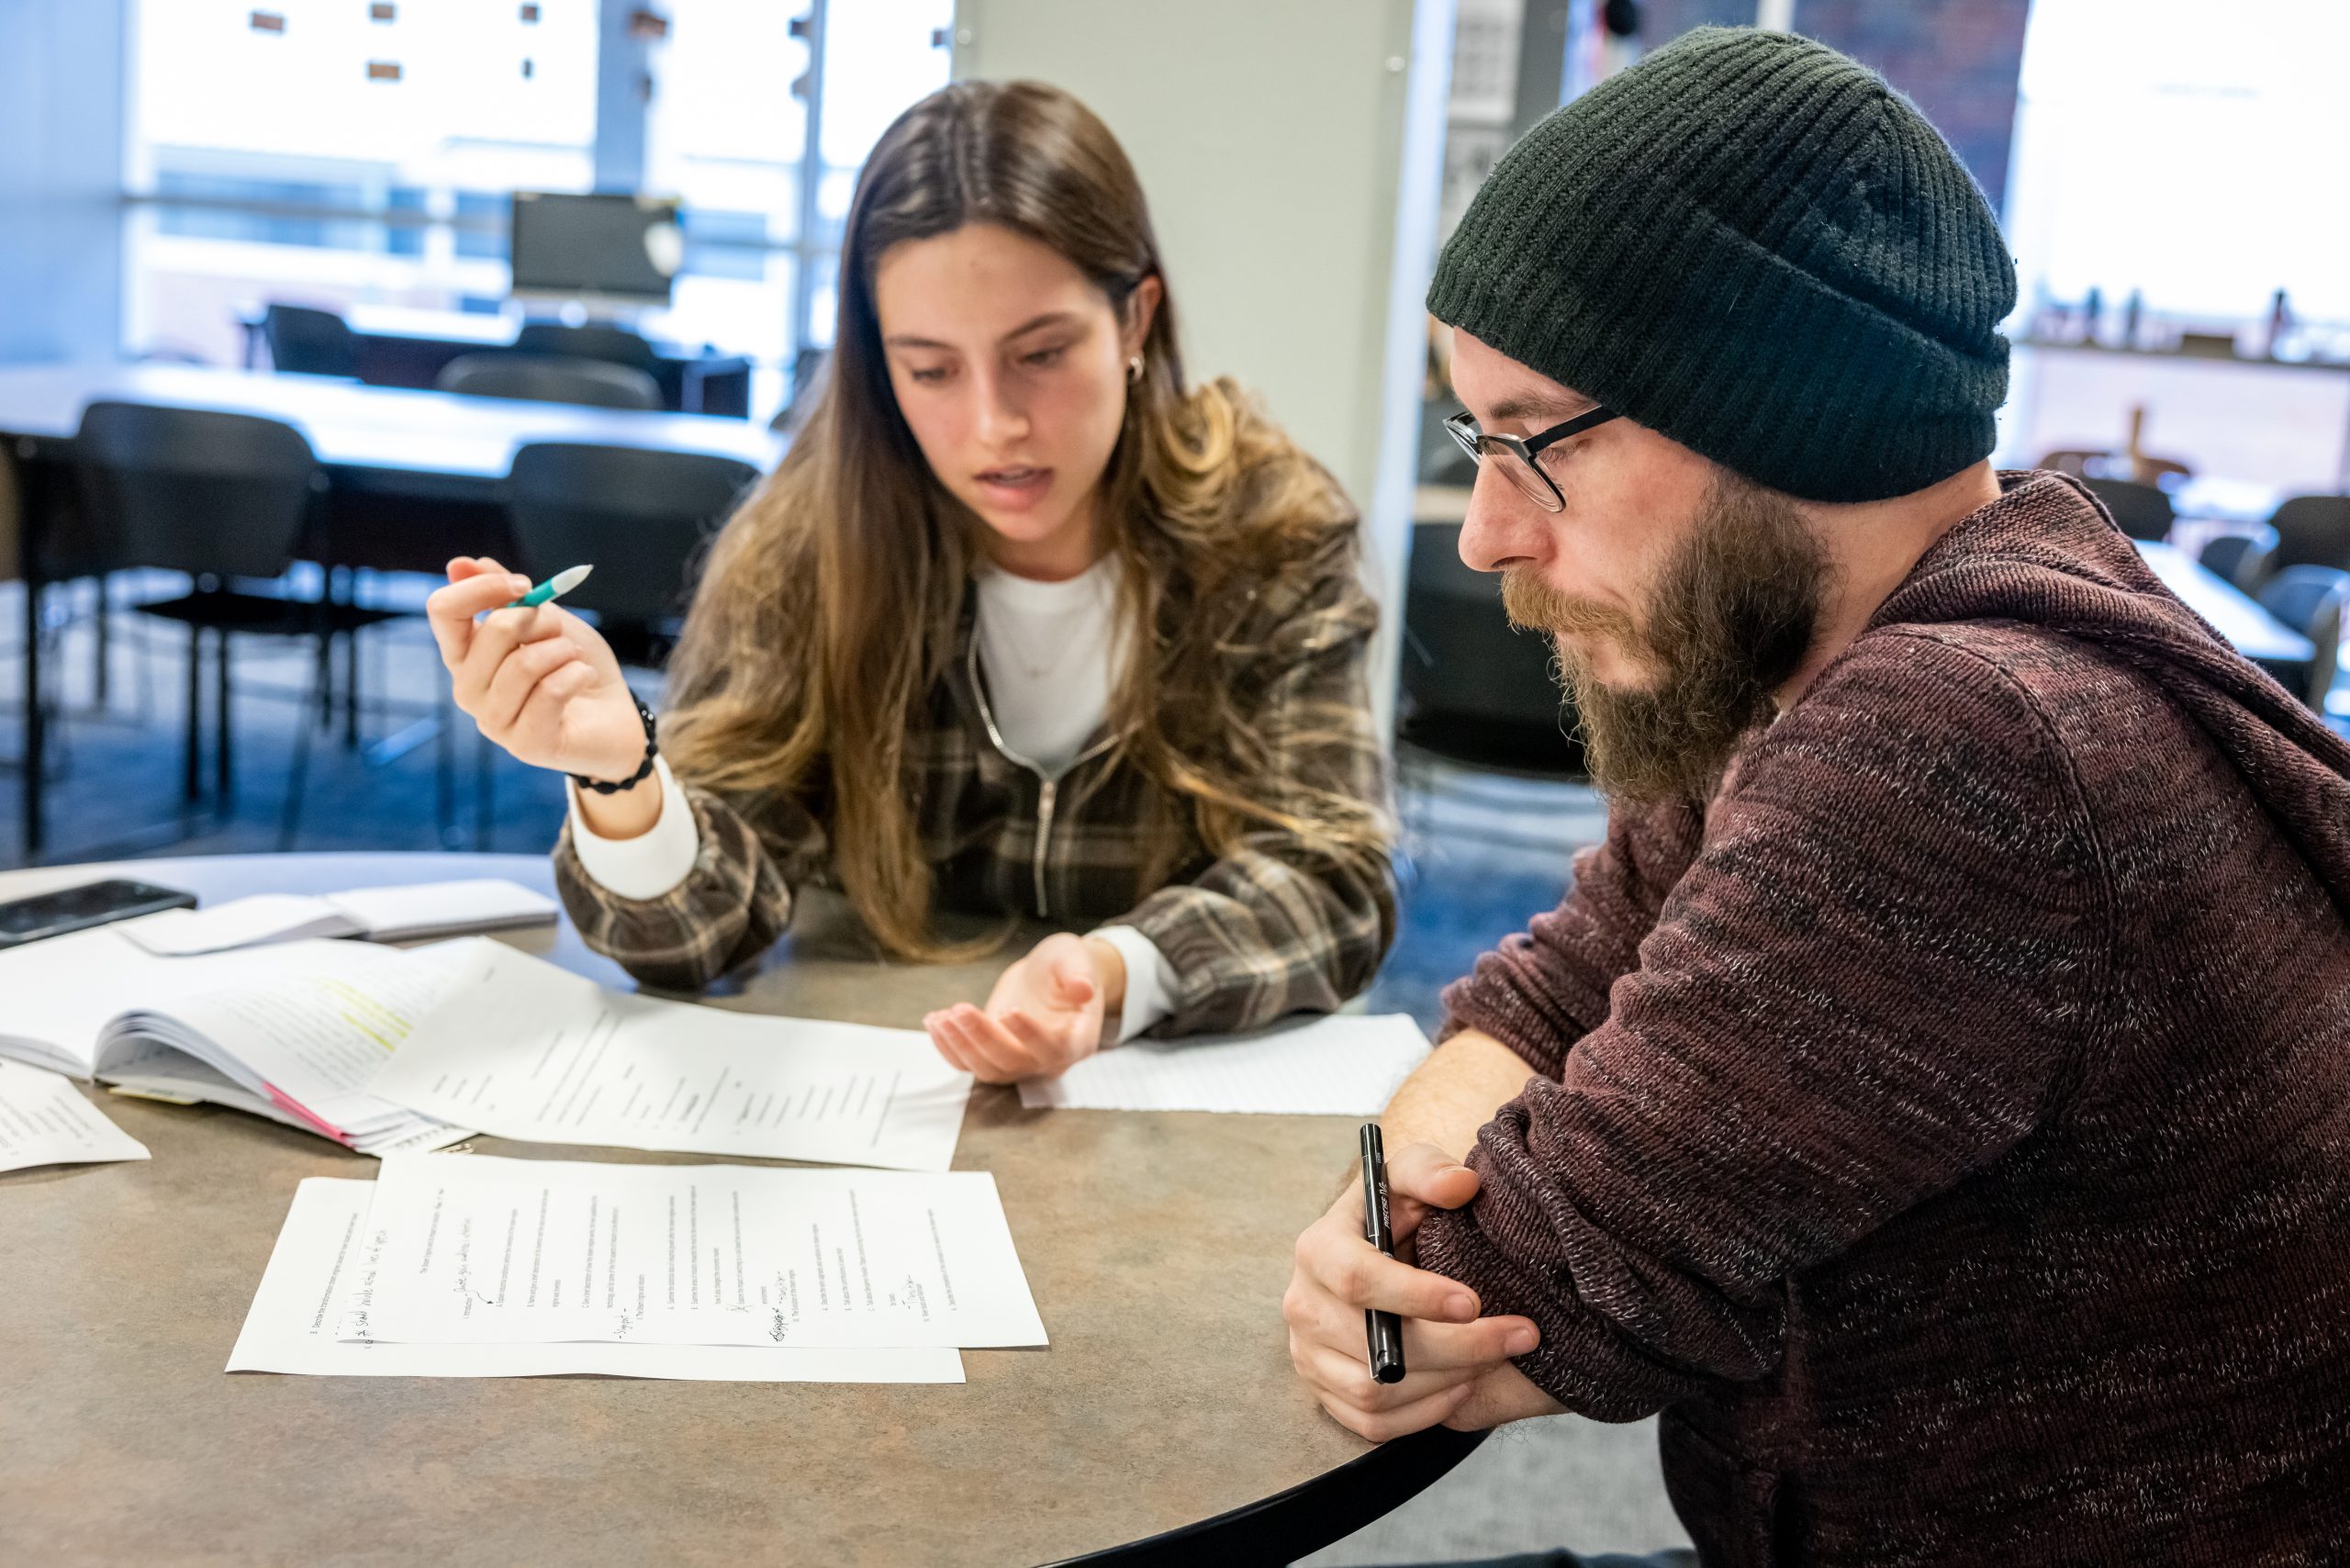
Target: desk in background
point(412, 476)
point(407, 346)
point(1165, 1417)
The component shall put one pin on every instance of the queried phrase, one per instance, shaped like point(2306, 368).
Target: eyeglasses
point(1514, 457)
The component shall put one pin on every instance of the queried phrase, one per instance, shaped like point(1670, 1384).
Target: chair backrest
point(2311, 600)
point(1474, 688)
point(2242, 559)
point(2312, 531)
point(12, 524)
point(549, 378)
point(193, 489)
point(2138, 510)
point(612, 345)
point(306, 342)
point(639, 516)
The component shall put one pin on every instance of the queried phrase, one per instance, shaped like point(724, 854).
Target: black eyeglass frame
point(1462, 428)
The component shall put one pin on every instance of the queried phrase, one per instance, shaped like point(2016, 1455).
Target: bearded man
point(1934, 1095)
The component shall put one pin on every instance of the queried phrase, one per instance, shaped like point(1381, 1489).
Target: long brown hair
point(796, 672)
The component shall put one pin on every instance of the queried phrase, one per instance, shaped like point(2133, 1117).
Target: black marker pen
point(1385, 1330)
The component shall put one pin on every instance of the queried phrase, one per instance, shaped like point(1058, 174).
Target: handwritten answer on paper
point(44, 1120)
point(491, 1250)
point(1342, 1064)
point(330, 1252)
point(525, 1050)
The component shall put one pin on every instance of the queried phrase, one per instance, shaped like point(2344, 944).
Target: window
point(311, 152)
point(728, 133)
point(2187, 151)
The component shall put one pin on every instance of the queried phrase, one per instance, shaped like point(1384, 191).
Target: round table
point(1163, 1424)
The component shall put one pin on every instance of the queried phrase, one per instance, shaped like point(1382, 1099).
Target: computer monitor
point(616, 249)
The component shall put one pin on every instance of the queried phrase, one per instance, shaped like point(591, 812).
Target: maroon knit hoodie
point(1947, 1128)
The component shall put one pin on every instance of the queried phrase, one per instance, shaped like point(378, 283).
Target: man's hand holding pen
point(1459, 1373)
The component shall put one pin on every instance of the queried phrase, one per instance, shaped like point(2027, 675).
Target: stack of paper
point(380, 915)
point(521, 1049)
point(1342, 1064)
point(482, 1267)
point(44, 1121)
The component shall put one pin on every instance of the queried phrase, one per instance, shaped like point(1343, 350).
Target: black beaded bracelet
point(605, 787)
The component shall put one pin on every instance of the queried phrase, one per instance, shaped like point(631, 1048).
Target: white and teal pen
point(556, 586)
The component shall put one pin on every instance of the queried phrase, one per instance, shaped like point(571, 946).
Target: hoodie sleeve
point(1547, 987)
point(1868, 985)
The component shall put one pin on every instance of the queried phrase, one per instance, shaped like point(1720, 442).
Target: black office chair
point(2242, 559)
point(545, 378)
point(2312, 531)
point(306, 342)
point(596, 341)
point(2140, 512)
point(220, 496)
point(641, 516)
point(2310, 600)
point(1475, 691)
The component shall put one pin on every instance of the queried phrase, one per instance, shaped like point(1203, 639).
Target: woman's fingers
point(490, 642)
point(519, 676)
point(543, 711)
point(450, 611)
point(948, 1044)
point(992, 1055)
point(1048, 1048)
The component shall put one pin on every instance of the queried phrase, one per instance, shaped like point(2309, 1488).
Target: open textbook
point(292, 1032)
point(400, 914)
point(332, 1249)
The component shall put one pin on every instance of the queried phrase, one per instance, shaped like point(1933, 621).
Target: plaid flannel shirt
point(1275, 926)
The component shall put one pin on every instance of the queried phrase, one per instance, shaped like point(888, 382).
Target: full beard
point(1730, 620)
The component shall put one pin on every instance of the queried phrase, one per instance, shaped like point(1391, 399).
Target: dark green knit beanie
point(1749, 242)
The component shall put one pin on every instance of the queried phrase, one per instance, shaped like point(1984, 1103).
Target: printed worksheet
point(45, 1121)
point(522, 1049)
point(328, 1250)
point(1343, 1065)
point(498, 1251)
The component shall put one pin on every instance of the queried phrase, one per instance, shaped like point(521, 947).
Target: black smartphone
point(77, 909)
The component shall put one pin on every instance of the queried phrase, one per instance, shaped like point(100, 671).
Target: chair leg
point(350, 689)
point(483, 808)
point(322, 678)
point(327, 600)
point(445, 766)
point(297, 776)
point(220, 704)
point(98, 625)
point(193, 783)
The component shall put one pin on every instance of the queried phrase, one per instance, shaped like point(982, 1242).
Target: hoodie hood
point(2047, 553)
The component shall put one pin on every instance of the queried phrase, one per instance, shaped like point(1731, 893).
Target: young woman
point(1022, 625)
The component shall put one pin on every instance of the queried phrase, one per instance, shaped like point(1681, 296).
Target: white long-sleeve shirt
point(1049, 652)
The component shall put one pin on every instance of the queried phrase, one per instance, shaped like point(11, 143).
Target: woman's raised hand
point(539, 682)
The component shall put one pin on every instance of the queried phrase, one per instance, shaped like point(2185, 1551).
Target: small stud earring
point(1133, 368)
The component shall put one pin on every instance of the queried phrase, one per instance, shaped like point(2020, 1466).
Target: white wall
point(1292, 151)
point(61, 73)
